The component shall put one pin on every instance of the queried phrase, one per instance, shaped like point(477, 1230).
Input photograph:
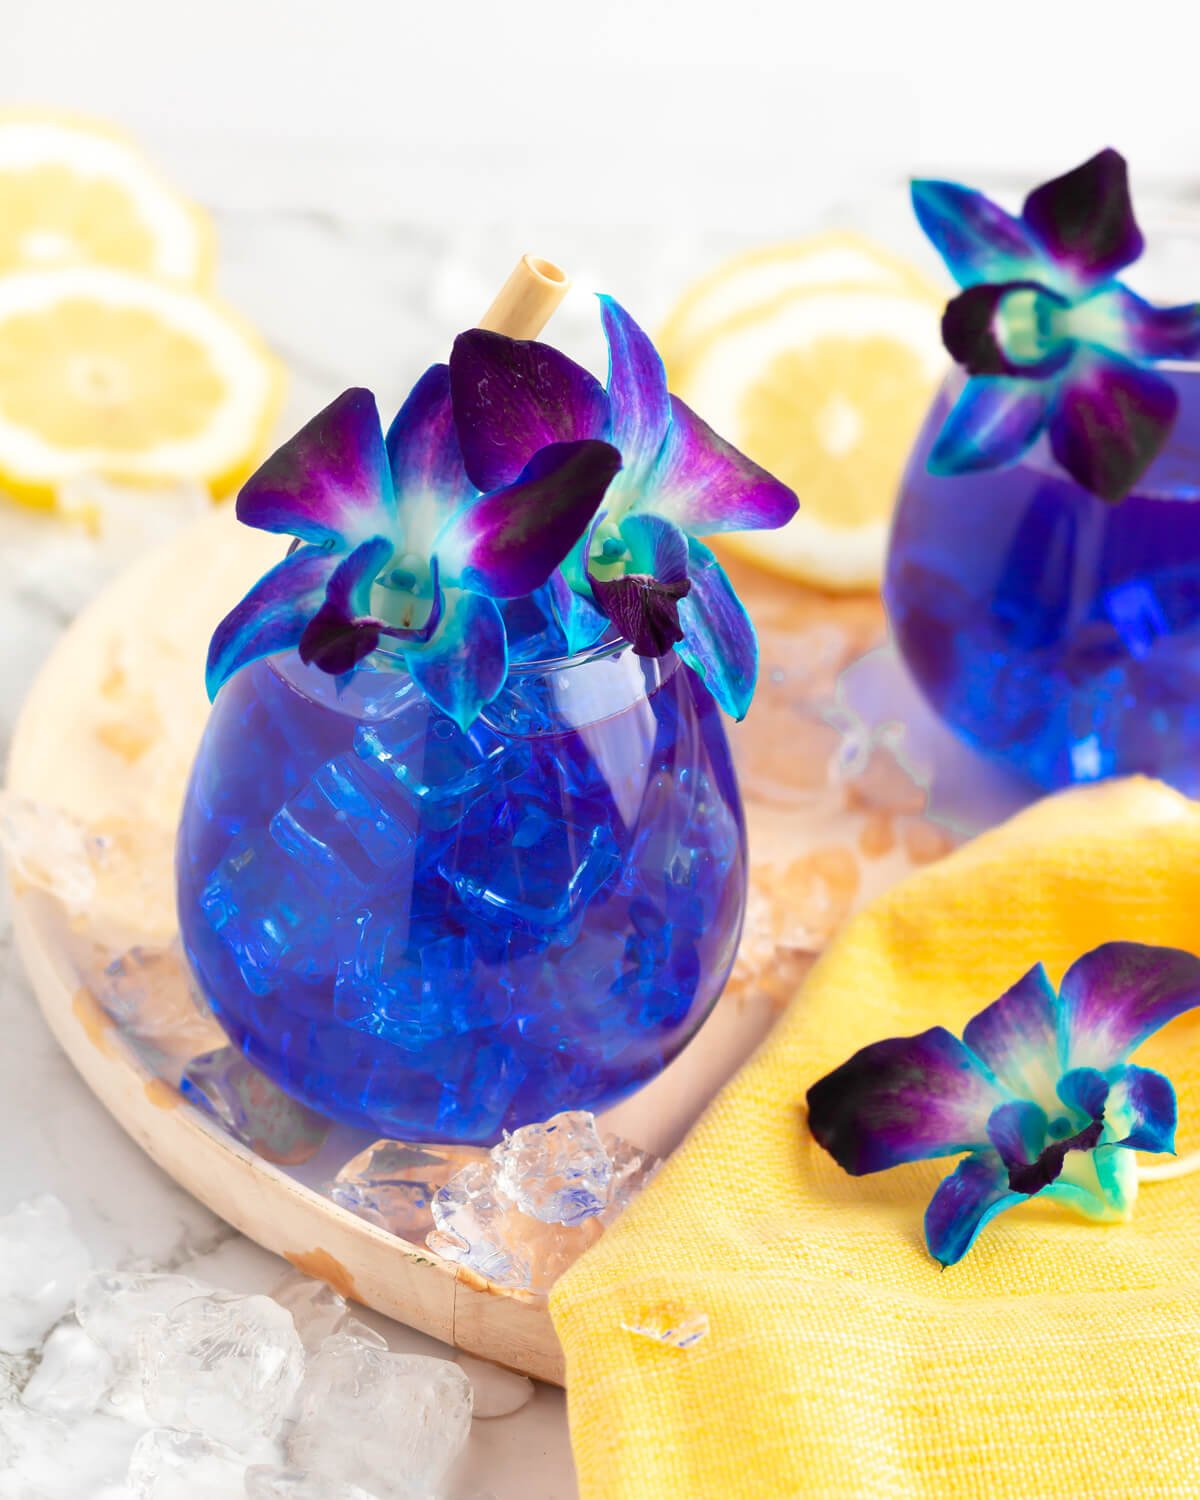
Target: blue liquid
point(1054, 632)
point(440, 935)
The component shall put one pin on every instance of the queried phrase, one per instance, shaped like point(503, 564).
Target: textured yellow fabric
point(1060, 1358)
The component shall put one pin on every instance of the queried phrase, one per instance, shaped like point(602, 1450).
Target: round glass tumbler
point(1055, 632)
point(438, 935)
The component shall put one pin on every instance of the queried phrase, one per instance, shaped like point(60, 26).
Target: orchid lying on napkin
point(1038, 1091)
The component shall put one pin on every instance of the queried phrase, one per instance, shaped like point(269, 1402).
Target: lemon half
point(135, 380)
point(838, 259)
point(76, 192)
point(826, 388)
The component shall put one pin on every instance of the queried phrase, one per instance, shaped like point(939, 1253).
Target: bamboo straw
point(523, 305)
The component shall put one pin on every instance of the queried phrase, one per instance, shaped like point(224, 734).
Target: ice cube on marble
point(41, 1262)
point(479, 1226)
point(270, 1483)
point(670, 1323)
point(171, 1465)
point(393, 1423)
point(497, 1392)
point(73, 1375)
point(113, 1307)
point(392, 1183)
point(355, 1328)
point(223, 1365)
point(319, 1312)
point(252, 1109)
point(557, 1171)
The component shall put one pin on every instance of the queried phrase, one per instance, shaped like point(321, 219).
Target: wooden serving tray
point(107, 735)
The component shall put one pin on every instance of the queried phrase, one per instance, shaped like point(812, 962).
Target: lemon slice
point(129, 379)
point(73, 192)
point(838, 259)
point(826, 389)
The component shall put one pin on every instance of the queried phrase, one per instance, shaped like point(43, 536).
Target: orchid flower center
point(404, 593)
point(609, 554)
point(1030, 325)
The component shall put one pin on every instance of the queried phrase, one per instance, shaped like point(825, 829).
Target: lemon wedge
point(128, 379)
point(826, 388)
point(75, 192)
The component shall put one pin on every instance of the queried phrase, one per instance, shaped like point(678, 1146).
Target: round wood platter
point(107, 734)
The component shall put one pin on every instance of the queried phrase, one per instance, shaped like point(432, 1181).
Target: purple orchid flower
point(642, 564)
point(397, 546)
point(1050, 340)
point(1038, 1091)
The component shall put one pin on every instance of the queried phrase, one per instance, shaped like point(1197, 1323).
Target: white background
point(725, 113)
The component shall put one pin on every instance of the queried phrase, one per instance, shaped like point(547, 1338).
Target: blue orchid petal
point(904, 1099)
point(643, 603)
point(582, 624)
point(1084, 1090)
point(640, 407)
point(974, 1193)
point(976, 238)
point(1119, 994)
point(342, 631)
point(273, 615)
point(509, 542)
point(329, 484)
point(705, 485)
point(1117, 319)
point(995, 420)
point(1141, 1111)
point(430, 480)
point(1109, 421)
point(1084, 219)
point(719, 642)
point(465, 663)
point(514, 396)
point(1017, 1037)
point(1018, 1131)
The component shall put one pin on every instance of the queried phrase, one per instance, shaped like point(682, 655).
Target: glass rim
point(608, 645)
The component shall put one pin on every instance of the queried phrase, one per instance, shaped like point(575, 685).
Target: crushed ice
point(528, 1209)
point(139, 1385)
point(518, 1215)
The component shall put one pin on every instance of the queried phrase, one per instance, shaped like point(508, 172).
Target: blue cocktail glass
point(439, 935)
point(1054, 632)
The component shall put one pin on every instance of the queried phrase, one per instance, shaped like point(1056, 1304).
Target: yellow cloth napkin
point(1060, 1358)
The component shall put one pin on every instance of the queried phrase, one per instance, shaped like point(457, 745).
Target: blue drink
point(1052, 631)
point(439, 935)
